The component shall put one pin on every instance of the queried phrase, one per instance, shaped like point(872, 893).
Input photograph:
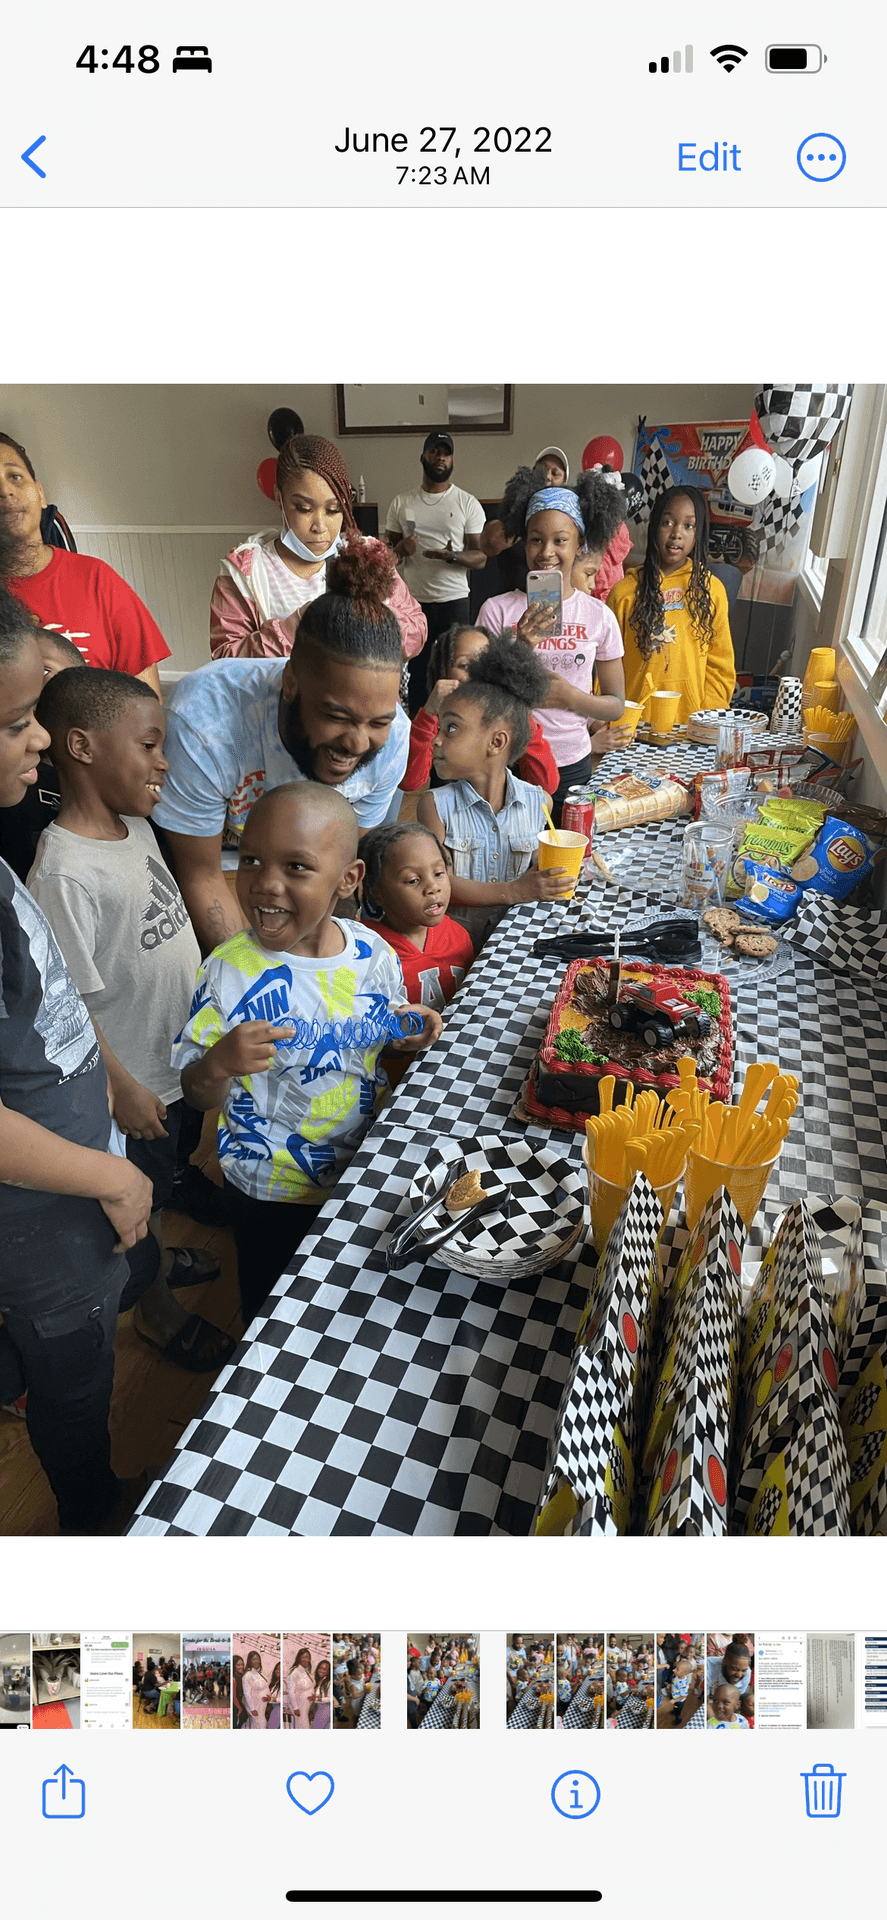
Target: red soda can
point(577, 816)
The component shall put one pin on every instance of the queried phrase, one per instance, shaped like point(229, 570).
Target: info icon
point(575, 1794)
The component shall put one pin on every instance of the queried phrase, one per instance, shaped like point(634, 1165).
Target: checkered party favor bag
point(847, 939)
point(791, 1472)
point(589, 1475)
point(684, 1463)
point(864, 1424)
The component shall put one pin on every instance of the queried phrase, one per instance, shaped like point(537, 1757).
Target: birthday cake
point(637, 1031)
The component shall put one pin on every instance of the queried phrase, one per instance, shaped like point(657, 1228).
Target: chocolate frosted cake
point(680, 1009)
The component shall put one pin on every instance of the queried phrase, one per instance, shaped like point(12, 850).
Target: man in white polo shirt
point(435, 533)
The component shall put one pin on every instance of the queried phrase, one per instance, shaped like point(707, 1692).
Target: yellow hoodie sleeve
point(720, 665)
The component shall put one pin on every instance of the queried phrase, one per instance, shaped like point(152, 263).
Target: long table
point(421, 1402)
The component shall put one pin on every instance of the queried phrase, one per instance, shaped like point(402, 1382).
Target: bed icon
point(822, 1786)
point(192, 60)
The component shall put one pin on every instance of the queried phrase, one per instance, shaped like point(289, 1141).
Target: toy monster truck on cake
point(632, 1021)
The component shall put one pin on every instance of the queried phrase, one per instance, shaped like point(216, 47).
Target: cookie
point(466, 1192)
point(756, 946)
point(721, 921)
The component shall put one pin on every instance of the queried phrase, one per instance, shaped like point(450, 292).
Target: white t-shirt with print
point(290, 1133)
point(438, 518)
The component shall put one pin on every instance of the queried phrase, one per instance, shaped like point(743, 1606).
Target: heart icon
point(311, 1790)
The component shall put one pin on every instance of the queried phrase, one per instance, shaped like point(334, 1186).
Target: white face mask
point(291, 540)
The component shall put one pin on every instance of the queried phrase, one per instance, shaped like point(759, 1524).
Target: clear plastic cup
point(605, 1200)
point(706, 862)
point(563, 850)
point(745, 1185)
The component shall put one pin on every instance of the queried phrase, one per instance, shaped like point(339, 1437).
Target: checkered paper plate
point(546, 1217)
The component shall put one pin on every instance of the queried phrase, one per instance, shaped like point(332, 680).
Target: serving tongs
point(674, 940)
point(405, 1245)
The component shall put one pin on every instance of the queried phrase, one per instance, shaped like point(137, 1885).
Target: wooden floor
point(153, 1400)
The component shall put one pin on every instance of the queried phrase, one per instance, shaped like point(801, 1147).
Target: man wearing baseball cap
point(435, 533)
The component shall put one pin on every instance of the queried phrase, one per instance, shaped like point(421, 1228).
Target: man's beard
point(432, 472)
point(297, 744)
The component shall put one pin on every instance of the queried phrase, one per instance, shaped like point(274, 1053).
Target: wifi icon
point(729, 57)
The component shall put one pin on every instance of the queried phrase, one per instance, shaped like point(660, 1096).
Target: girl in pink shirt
point(557, 523)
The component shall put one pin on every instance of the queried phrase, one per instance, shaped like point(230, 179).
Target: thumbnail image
point(630, 1682)
point(443, 1681)
point(529, 1682)
point(206, 1681)
point(156, 1681)
point(255, 1682)
point(831, 1668)
point(56, 1681)
point(730, 1681)
point(15, 1680)
point(303, 1702)
point(680, 1681)
point(580, 1680)
point(357, 1682)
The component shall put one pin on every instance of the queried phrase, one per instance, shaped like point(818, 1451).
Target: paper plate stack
point(703, 726)
point(546, 1217)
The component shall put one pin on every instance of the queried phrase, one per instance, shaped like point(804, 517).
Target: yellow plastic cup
point(630, 717)
point(567, 850)
point(745, 1185)
point(827, 693)
point(605, 1200)
point(821, 665)
point(663, 711)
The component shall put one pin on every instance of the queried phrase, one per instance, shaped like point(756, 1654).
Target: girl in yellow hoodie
point(672, 612)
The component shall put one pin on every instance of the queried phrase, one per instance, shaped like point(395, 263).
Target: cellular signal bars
point(673, 65)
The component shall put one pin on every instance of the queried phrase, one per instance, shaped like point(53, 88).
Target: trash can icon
point(822, 1786)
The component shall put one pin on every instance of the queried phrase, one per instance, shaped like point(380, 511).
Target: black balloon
point(281, 423)
point(635, 492)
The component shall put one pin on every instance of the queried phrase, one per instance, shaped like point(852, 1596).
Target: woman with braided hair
point(267, 581)
point(672, 611)
point(557, 524)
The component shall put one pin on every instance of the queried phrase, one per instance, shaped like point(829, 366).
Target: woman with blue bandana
point(559, 523)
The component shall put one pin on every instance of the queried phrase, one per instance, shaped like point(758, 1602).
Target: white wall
point(187, 456)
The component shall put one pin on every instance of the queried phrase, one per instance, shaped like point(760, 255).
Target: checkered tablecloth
point(579, 1716)
point(370, 1716)
point(422, 1402)
point(524, 1716)
point(442, 1711)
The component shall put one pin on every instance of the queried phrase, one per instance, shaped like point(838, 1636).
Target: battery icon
point(801, 59)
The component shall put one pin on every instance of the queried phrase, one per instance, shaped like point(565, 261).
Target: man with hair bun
point(329, 713)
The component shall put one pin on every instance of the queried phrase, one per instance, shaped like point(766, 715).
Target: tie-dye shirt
point(289, 1133)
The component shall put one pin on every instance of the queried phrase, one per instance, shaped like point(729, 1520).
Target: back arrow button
point(26, 156)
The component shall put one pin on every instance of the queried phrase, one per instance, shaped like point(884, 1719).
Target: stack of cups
point(821, 665)
point(786, 715)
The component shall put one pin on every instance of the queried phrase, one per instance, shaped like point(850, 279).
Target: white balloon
point(784, 479)
point(751, 476)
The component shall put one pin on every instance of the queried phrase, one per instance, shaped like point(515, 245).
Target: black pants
point(60, 1287)
point(157, 1160)
point(440, 614)
point(578, 775)
point(266, 1235)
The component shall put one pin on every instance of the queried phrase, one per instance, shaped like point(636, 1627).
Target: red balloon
point(266, 475)
point(604, 451)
